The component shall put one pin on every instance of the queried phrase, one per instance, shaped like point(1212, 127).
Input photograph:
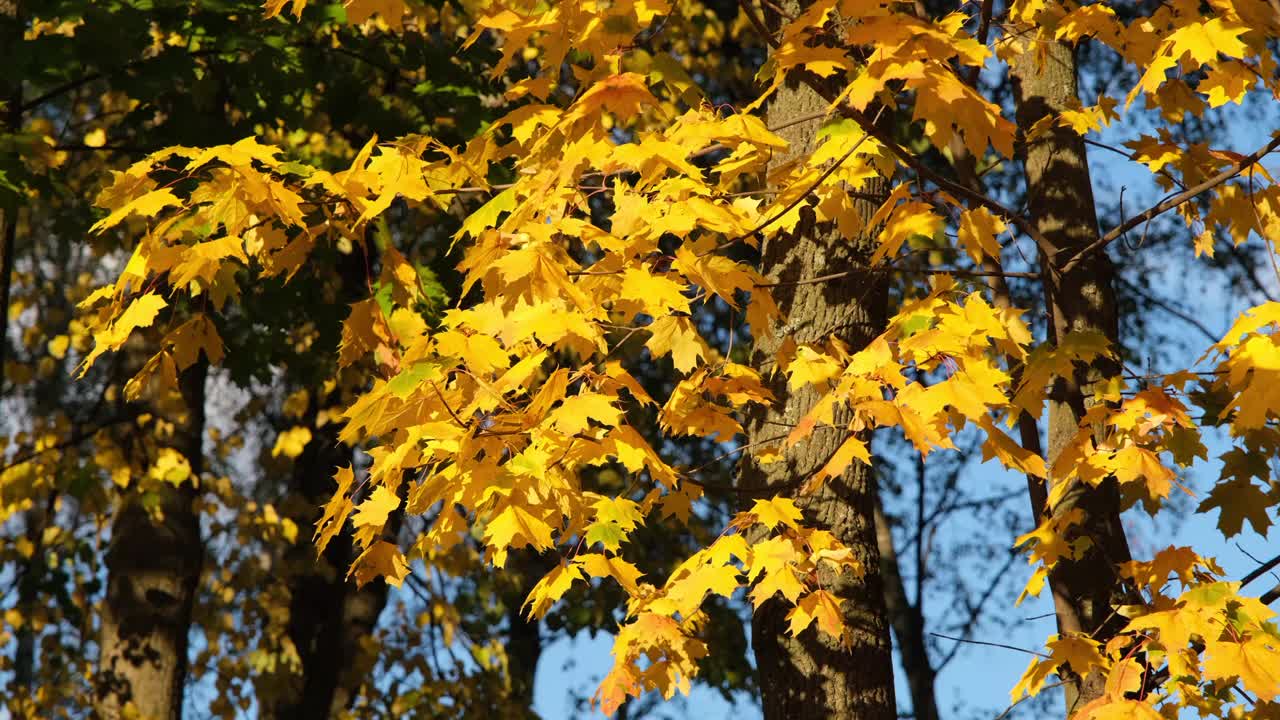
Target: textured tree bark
point(153, 567)
point(908, 625)
point(1060, 200)
point(811, 675)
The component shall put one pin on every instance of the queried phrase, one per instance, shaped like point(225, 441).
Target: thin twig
point(991, 644)
point(889, 268)
point(754, 19)
point(798, 199)
point(1185, 317)
point(910, 160)
point(1260, 570)
point(1170, 203)
point(1024, 698)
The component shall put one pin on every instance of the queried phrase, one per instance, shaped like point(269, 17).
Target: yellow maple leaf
point(598, 565)
point(625, 513)
point(676, 335)
point(1110, 708)
point(551, 588)
point(1133, 463)
point(140, 313)
point(193, 337)
point(823, 607)
point(1080, 653)
point(776, 511)
point(810, 367)
point(203, 260)
point(978, 231)
point(574, 411)
point(516, 527)
point(374, 510)
point(853, 448)
point(148, 205)
point(1010, 454)
point(623, 95)
point(782, 580)
point(1227, 82)
point(272, 8)
point(336, 510)
point(685, 593)
point(1255, 661)
point(1202, 41)
point(382, 559)
point(773, 564)
point(906, 220)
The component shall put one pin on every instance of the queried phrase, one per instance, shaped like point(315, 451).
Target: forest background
point(229, 586)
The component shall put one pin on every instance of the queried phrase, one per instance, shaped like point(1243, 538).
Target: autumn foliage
point(610, 221)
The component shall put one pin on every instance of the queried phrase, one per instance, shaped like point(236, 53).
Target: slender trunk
point(329, 617)
point(11, 32)
point(908, 625)
point(153, 567)
point(524, 636)
point(966, 172)
point(1060, 200)
point(811, 675)
point(29, 582)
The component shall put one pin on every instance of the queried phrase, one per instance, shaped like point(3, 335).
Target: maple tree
point(81, 458)
point(80, 454)
point(848, 218)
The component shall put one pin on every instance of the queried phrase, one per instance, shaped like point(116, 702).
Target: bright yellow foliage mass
point(495, 413)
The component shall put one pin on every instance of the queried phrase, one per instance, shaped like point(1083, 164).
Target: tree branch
point(749, 10)
point(1168, 204)
point(889, 268)
point(990, 644)
point(1260, 571)
point(911, 161)
point(96, 75)
point(1189, 319)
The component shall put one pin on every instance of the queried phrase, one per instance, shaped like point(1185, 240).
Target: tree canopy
point(628, 316)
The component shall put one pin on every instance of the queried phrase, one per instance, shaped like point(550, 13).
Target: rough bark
point(908, 625)
point(1060, 201)
point(153, 567)
point(811, 675)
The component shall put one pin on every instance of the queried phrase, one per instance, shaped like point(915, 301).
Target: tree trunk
point(524, 635)
point(153, 567)
point(811, 675)
point(11, 33)
point(1060, 200)
point(328, 616)
point(908, 625)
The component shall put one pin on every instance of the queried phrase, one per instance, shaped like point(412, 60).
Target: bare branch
point(991, 644)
